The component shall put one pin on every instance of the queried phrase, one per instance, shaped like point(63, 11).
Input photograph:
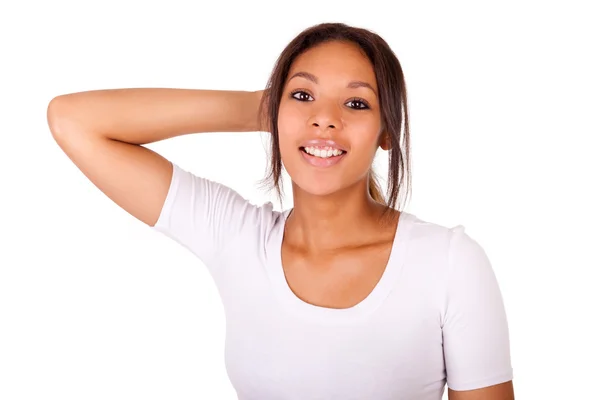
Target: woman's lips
point(321, 162)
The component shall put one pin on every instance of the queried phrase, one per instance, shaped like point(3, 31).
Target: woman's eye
point(302, 96)
point(357, 104)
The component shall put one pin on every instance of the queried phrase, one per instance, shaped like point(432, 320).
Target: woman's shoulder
point(451, 242)
point(210, 217)
point(430, 231)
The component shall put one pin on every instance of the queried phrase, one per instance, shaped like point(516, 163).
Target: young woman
point(342, 296)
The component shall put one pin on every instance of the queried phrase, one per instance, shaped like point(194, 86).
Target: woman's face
point(329, 104)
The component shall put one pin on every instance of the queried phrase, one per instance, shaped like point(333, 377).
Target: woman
point(342, 296)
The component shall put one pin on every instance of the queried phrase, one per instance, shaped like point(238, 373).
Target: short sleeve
point(204, 216)
point(475, 327)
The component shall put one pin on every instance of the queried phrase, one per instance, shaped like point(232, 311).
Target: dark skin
point(502, 391)
point(333, 232)
point(340, 276)
point(335, 248)
point(334, 200)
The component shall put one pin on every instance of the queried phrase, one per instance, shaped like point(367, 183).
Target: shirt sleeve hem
point(162, 222)
point(482, 383)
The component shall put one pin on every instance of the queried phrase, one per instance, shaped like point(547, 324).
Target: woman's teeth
point(323, 152)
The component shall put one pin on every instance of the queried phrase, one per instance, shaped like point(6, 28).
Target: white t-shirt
point(435, 317)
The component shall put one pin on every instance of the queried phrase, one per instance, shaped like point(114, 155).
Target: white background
point(504, 105)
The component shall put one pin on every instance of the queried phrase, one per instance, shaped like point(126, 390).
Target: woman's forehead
point(336, 60)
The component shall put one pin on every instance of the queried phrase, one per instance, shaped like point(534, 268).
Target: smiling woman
point(359, 68)
point(331, 90)
point(343, 296)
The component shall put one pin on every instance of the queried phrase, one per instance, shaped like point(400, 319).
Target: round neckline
point(316, 313)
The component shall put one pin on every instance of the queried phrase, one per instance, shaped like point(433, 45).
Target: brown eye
point(301, 95)
point(358, 104)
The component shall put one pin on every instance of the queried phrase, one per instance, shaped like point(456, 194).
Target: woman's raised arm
point(103, 131)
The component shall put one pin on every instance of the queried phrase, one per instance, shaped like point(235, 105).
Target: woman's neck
point(324, 223)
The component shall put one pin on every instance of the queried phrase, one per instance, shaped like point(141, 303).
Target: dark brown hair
point(392, 100)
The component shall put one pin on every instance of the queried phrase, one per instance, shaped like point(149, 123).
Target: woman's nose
point(326, 116)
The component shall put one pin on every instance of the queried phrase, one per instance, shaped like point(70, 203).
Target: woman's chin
point(315, 189)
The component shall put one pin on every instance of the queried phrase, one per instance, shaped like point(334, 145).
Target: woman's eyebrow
point(313, 78)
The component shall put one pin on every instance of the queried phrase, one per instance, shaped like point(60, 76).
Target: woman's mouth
point(322, 156)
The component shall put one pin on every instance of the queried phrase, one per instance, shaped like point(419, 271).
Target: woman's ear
point(384, 141)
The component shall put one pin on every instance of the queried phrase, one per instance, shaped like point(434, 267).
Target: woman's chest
point(335, 280)
point(279, 347)
point(382, 358)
